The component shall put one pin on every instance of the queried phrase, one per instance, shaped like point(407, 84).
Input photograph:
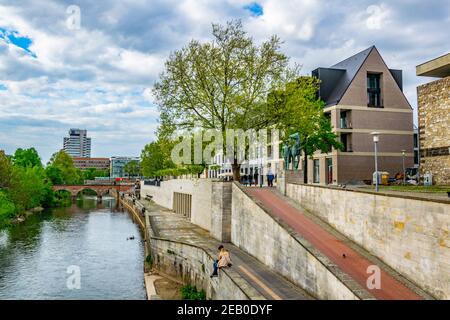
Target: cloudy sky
point(56, 74)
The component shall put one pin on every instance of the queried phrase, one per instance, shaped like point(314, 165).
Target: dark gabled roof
point(347, 70)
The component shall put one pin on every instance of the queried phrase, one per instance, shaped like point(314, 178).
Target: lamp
point(376, 139)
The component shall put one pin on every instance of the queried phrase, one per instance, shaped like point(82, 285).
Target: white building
point(266, 158)
point(77, 144)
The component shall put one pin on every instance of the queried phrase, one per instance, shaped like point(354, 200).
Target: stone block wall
point(412, 236)
point(434, 129)
point(221, 211)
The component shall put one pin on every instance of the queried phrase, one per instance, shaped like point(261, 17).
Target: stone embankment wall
point(193, 264)
point(410, 235)
point(277, 246)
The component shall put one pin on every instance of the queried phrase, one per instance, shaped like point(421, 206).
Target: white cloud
point(378, 15)
point(100, 76)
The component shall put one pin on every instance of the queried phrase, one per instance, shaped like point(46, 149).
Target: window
point(345, 119)
point(346, 139)
point(374, 90)
point(316, 171)
point(416, 143)
point(269, 151)
point(329, 173)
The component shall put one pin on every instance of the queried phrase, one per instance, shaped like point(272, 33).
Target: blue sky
point(99, 76)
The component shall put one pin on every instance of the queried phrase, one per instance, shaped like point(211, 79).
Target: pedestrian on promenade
point(255, 177)
point(137, 189)
point(270, 177)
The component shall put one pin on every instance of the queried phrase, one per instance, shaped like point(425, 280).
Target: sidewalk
point(334, 246)
point(167, 224)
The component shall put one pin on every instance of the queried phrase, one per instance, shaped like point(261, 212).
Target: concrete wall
point(267, 239)
point(221, 211)
point(211, 202)
point(200, 189)
point(193, 265)
point(412, 236)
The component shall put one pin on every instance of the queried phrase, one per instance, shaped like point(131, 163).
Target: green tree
point(92, 173)
point(132, 168)
point(64, 162)
point(5, 170)
point(7, 209)
point(54, 174)
point(297, 108)
point(26, 158)
point(221, 84)
point(28, 187)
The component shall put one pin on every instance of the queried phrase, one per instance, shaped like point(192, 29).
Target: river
point(79, 252)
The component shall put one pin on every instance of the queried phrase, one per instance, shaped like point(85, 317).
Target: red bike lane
point(353, 264)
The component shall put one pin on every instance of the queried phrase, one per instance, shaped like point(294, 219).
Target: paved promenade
point(167, 224)
point(334, 246)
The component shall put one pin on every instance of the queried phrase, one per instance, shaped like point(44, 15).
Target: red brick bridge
point(99, 189)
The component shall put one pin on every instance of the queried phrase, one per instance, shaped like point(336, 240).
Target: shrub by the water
point(189, 292)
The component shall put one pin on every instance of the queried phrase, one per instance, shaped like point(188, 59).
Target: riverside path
point(354, 263)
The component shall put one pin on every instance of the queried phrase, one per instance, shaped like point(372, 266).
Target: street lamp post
point(403, 165)
point(376, 138)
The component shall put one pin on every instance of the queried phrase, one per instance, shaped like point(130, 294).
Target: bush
point(189, 292)
point(7, 210)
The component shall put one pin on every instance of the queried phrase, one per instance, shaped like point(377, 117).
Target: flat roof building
point(88, 163)
point(117, 165)
point(77, 144)
point(433, 100)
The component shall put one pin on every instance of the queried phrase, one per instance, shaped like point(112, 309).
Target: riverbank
point(158, 286)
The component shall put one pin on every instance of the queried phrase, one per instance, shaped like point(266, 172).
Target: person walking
point(255, 177)
point(270, 177)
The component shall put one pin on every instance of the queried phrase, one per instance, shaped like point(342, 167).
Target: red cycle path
point(354, 264)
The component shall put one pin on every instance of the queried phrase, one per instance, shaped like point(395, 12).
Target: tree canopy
point(296, 108)
point(27, 158)
point(64, 162)
point(221, 84)
point(132, 168)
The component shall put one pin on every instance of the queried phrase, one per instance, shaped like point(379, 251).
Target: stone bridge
point(99, 189)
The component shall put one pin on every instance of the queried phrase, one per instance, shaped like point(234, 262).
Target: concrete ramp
point(352, 266)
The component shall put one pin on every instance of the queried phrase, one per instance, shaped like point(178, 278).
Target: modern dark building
point(363, 95)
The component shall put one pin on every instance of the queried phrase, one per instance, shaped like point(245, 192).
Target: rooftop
point(437, 67)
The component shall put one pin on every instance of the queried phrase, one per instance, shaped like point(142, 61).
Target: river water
point(80, 252)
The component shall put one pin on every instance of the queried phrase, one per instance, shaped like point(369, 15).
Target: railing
point(155, 182)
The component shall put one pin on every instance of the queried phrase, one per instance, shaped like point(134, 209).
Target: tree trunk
point(236, 168)
point(305, 170)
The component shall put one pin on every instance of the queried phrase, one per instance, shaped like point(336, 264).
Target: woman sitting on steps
point(223, 261)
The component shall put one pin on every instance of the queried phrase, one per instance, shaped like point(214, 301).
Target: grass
point(189, 292)
point(412, 188)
